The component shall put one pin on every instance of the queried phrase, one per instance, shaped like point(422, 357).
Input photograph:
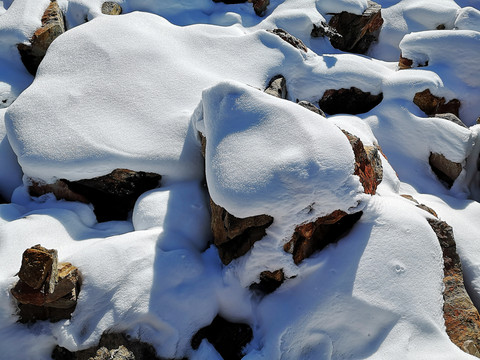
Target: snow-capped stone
point(111, 8)
point(432, 105)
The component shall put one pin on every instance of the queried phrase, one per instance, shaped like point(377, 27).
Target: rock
point(230, 1)
point(373, 155)
point(228, 338)
point(357, 32)
point(113, 196)
point(462, 320)
point(311, 237)
point(233, 236)
point(452, 118)
point(277, 87)
point(348, 101)
point(31, 313)
point(269, 281)
point(420, 206)
point(432, 105)
point(260, 6)
point(404, 63)
point(39, 266)
point(308, 105)
point(68, 281)
point(292, 40)
point(323, 30)
point(122, 353)
point(111, 8)
point(52, 27)
point(446, 170)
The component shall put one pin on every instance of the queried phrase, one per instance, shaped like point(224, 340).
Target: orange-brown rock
point(269, 281)
point(311, 237)
point(404, 63)
point(431, 104)
point(68, 281)
point(446, 170)
point(462, 320)
point(39, 266)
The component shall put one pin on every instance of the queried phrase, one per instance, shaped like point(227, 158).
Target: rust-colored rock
point(311, 237)
point(39, 266)
point(68, 282)
point(462, 320)
point(269, 281)
point(277, 87)
point(432, 105)
point(348, 101)
point(111, 8)
point(233, 236)
point(446, 170)
point(292, 40)
point(52, 27)
point(357, 32)
point(404, 63)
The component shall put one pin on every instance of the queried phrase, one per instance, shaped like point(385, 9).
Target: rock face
point(112, 346)
point(432, 105)
point(46, 289)
point(233, 236)
point(269, 281)
point(308, 105)
point(446, 170)
point(323, 29)
point(452, 118)
point(292, 40)
point(111, 8)
point(260, 6)
point(348, 101)
point(462, 320)
point(227, 338)
point(357, 32)
point(52, 27)
point(311, 237)
point(277, 87)
point(112, 195)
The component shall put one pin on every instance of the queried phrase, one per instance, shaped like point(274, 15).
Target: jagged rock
point(39, 266)
point(308, 105)
point(452, 118)
point(227, 338)
point(277, 87)
point(269, 281)
point(67, 284)
point(462, 320)
point(112, 195)
point(357, 32)
point(110, 344)
point(52, 27)
point(260, 6)
point(311, 237)
point(233, 236)
point(420, 206)
point(348, 101)
point(432, 105)
point(373, 155)
point(323, 29)
point(446, 170)
point(111, 8)
point(292, 40)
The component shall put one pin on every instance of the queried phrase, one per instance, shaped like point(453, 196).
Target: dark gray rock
point(308, 105)
point(348, 101)
point(292, 40)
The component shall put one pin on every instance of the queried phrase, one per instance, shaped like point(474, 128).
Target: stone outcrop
point(348, 101)
point(357, 32)
point(112, 346)
point(311, 237)
point(277, 87)
point(292, 40)
point(228, 338)
point(53, 26)
point(432, 105)
point(233, 236)
point(111, 8)
point(324, 30)
point(269, 281)
point(47, 290)
point(462, 320)
point(447, 171)
point(420, 206)
point(308, 105)
point(113, 196)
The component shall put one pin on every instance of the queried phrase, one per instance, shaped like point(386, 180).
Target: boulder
point(324, 30)
point(269, 281)
point(39, 267)
point(348, 101)
point(357, 32)
point(462, 320)
point(111, 8)
point(233, 236)
point(447, 171)
point(311, 237)
point(260, 6)
point(292, 40)
point(404, 63)
point(228, 338)
point(432, 105)
point(122, 353)
point(277, 87)
point(53, 26)
point(308, 105)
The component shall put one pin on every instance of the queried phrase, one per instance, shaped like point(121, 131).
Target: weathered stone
point(308, 105)
point(452, 118)
point(404, 63)
point(68, 281)
point(260, 6)
point(373, 155)
point(292, 40)
point(30, 313)
point(357, 32)
point(111, 8)
point(277, 87)
point(110, 344)
point(39, 267)
point(446, 170)
point(462, 320)
point(269, 281)
point(348, 101)
point(311, 237)
point(27, 295)
point(52, 27)
point(420, 206)
point(324, 30)
point(228, 338)
point(234, 236)
point(432, 105)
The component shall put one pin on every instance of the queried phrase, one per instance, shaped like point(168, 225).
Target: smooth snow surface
point(139, 90)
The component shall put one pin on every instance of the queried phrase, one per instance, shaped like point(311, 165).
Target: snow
point(136, 91)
